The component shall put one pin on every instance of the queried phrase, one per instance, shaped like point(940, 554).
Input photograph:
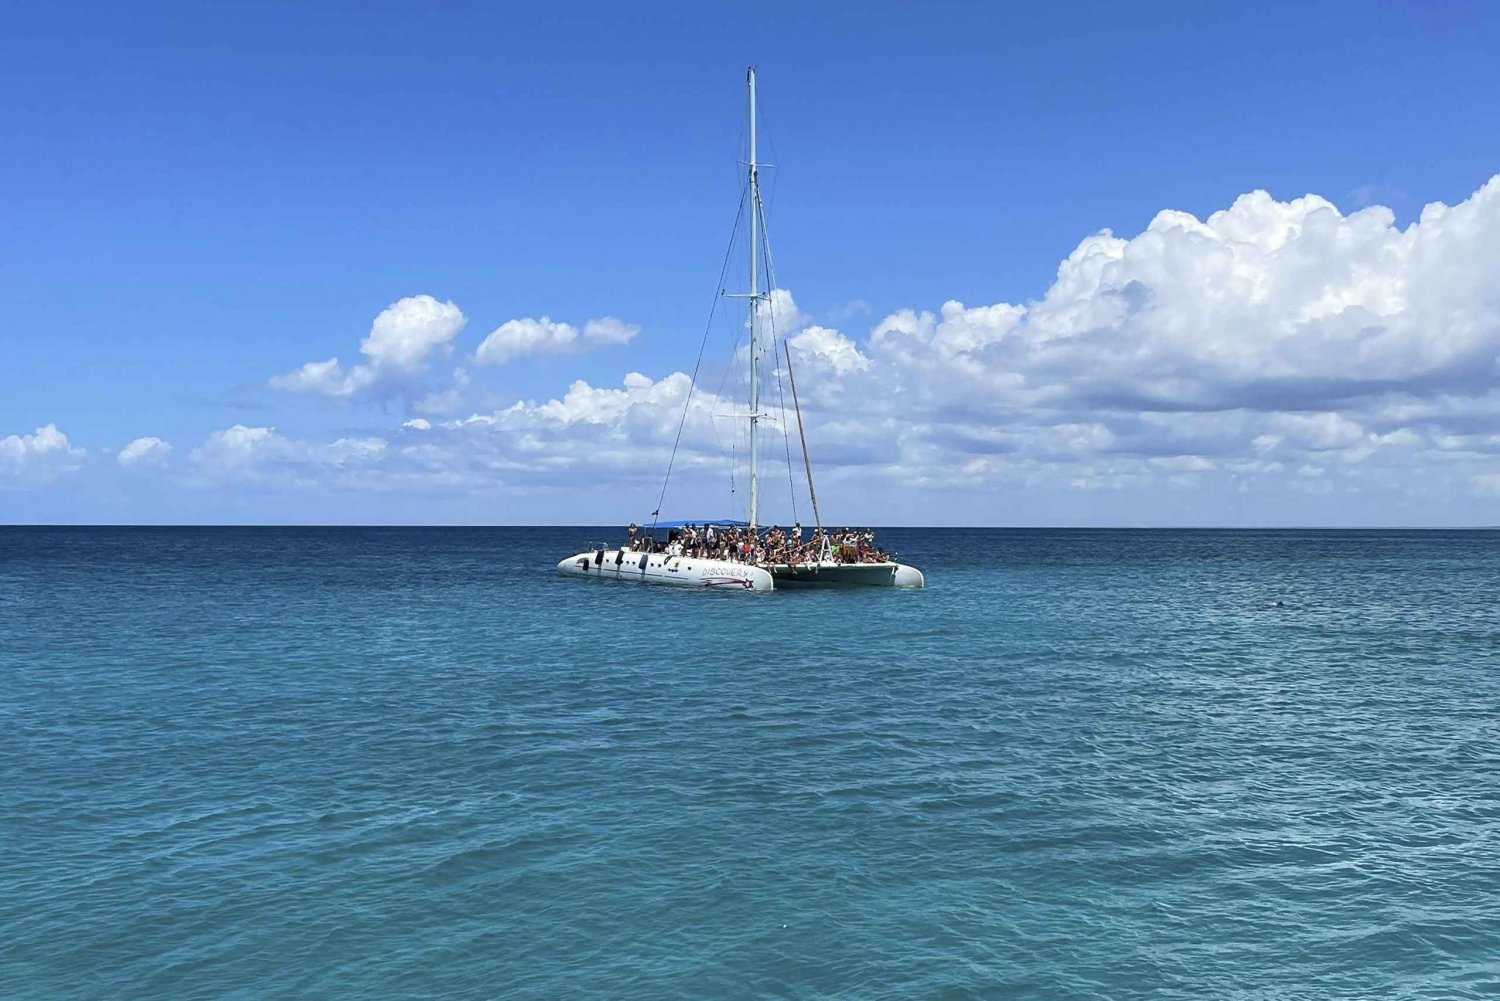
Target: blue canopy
point(700, 521)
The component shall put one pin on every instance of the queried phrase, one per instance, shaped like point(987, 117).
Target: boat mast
point(754, 300)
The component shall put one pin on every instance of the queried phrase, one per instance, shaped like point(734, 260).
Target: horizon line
point(596, 525)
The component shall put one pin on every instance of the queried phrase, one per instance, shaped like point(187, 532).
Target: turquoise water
point(328, 763)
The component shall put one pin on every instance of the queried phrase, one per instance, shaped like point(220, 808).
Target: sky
point(1045, 264)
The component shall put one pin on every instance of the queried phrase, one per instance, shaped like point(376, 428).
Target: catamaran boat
point(644, 559)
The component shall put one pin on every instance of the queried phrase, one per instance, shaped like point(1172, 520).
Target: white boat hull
point(668, 571)
point(846, 575)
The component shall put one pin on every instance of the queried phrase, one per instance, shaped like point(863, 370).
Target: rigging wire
point(729, 453)
point(765, 128)
point(693, 382)
point(786, 437)
point(730, 366)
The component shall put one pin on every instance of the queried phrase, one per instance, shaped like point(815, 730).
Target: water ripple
point(350, 763)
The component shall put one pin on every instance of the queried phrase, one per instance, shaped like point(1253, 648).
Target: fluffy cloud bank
point(1272, 338)
point(410, 333)
point(260, 454)
point(397, 349)
point(37, 458)
point(1265, 306)
point(1278, 345)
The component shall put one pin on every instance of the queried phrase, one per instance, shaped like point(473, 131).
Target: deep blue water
point(361, 763)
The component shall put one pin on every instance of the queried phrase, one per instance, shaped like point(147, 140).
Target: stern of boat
point(907, 576)
point(846, 575)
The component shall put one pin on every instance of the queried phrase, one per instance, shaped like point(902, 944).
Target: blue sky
point(199, 200)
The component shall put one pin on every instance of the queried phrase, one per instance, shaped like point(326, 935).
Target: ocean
point(417, 763)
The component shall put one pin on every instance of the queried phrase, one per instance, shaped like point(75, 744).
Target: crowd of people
point(772, 546)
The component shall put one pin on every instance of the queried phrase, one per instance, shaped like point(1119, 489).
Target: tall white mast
point(754, 301)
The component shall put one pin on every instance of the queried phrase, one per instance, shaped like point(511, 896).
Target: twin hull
point(692, 571)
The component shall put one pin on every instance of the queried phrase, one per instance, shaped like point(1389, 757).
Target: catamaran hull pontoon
point(691, 571)
point(845, 575)
point(671, 571)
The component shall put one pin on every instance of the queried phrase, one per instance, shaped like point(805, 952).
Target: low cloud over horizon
point(1284, 351)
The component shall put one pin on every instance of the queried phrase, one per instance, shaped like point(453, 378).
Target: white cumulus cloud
point(526, 336)
point(144, 452)
point(829, 349)
point(37, 458)
point(401, 341)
